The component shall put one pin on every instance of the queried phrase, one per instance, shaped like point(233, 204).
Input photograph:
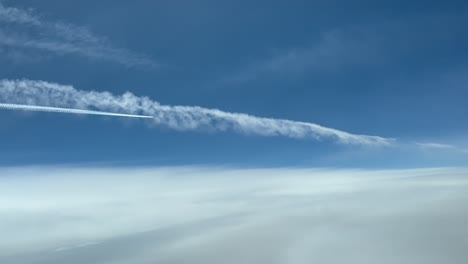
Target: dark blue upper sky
point(394, 69)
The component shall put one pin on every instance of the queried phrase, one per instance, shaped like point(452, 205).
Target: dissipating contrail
point(30, 95)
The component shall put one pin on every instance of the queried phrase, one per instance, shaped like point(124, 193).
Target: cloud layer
point(208, 215)
point(40, 93)
point(23, 30)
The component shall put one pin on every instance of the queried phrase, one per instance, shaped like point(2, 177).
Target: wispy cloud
point(331, 51)
point(55, 215)
point(41, 93)
point(352, 47)
point(23, 29)
point(439, 146)
point(435, 145)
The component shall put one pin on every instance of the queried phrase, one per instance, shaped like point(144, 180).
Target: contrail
point(46, 96)
point(36, 108)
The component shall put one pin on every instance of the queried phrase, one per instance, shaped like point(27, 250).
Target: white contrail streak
point(35, 108)
point(182, 118)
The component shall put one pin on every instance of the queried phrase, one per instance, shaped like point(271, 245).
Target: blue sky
point(390, 69)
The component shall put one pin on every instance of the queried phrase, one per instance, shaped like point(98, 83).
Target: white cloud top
point(53, 215)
